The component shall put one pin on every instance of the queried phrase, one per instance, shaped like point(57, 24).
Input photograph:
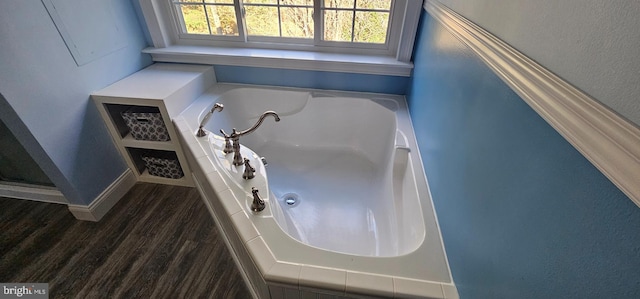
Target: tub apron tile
point(409, 288)
point(372, 285)
point(312, 277)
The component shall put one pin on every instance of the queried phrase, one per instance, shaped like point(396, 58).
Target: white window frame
point(393, 58)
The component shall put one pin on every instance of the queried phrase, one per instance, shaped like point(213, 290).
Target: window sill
point(283, 59)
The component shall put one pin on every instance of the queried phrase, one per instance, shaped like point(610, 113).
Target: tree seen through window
point(357, 21)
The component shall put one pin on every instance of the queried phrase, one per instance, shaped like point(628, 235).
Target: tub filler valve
point(249, 171)
point(258, 204)
point(205, 119)
point(235, 138)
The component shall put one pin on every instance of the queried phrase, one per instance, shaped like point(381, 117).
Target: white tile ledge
point(607, 140)
point(313, 277)
point(284, 273)
point(359, 283)
point(283, 59)
point(260, 253)
point(411, 288)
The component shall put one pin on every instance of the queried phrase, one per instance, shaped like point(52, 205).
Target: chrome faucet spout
point(235, 137)
point(260, 120)
point(216, 107)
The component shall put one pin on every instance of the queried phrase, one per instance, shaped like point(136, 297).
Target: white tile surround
point(269, 277)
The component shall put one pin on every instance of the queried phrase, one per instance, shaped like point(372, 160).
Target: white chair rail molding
point(606, 139)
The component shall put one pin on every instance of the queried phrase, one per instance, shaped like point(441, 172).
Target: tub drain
point(290, 199)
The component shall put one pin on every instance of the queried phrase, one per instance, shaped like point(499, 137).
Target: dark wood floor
point(157, 242)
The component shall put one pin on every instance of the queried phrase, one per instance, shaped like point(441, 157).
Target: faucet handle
point(224, 134)
point(249, 171)
point(258, 203)
point(228, 148)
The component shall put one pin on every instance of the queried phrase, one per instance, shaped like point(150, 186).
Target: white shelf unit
point(166, 88)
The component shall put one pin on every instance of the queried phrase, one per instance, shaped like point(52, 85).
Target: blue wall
point(312, 79)
point(522, 213)
point(45, 94)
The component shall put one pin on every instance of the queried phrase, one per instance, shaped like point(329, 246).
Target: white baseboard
point(32, 192)
point(106, 200)
point(606, 139)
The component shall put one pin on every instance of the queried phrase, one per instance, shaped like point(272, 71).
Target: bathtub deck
point(157, 242)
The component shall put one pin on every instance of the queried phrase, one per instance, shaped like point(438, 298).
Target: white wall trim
point(106, 200)
point(283, 59)
point(32, 192)
point(153, 16)
point(411, 16)
point(609, 141)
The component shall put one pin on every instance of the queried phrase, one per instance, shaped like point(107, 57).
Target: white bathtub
point(348, 210)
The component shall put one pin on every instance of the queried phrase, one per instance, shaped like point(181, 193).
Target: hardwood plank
point(157, 242)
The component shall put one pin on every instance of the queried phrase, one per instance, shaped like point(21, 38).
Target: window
point(279, 18)
point(364, 28)
point(351, 21)
point(215, 18)
point(358, 21)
